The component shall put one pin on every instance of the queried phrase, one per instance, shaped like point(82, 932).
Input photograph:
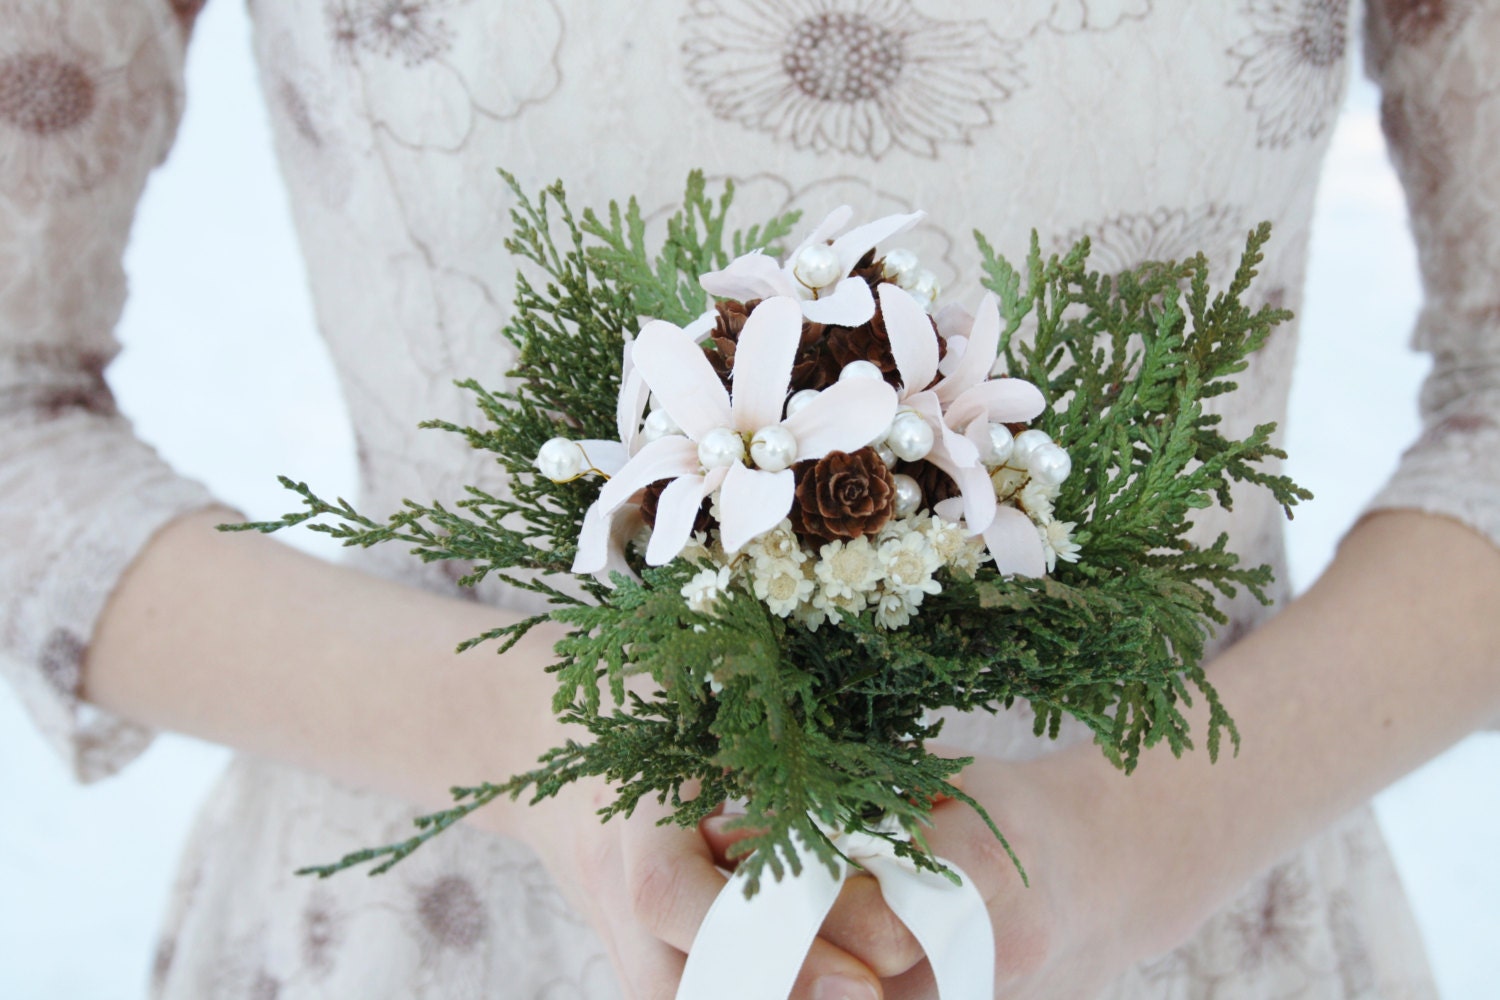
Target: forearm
point(238, 639)
point(1390, 658)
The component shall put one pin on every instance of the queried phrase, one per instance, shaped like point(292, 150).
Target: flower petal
point(627, 523)
point(676, 369)
point(751, 503)
point(1015, 544)
point(850, 304)
point(763, 359)
point(753, 276)
point(846, 416)
point(665, 458)
point(913, 341)
point(823, 231)
point(979, 354)
point(861, 239)
point(593, 540)
point(632, 403)
point(1002, 400)
point(676, 510)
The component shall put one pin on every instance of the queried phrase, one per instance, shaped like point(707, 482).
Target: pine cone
point(726, 335)
point(842, 495)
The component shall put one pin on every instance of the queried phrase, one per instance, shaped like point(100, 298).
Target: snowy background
point(219, 301)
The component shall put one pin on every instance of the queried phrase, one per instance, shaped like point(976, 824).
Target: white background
point(223, 371)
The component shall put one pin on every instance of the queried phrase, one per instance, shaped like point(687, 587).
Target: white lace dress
point(1157, 127)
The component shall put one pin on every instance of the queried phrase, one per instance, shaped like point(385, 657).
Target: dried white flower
point(1007, 481)
point(847, 570)
point(702, 592)
point(894, 609)
point(782, 584)
point(1057, 543)
point(908, 564)
point(1037, 498)
point(777, 545)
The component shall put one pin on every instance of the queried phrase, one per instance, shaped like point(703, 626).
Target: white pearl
point(883, 450)
point(773, 448)
point(659, 425)
point(1050, 464)
point(910, 437)
point(908, 495)
point(924, 286)
point(1027, 442)
point(721, 448)
point(899, 266)
point(860, 369)
point(817, 266)
point(560, 460)
point(1002, 443)
point(799, 400)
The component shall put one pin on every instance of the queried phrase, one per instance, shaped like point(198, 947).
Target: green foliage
point(826, 730)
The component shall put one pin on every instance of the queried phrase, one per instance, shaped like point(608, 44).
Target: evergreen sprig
point(826, 730)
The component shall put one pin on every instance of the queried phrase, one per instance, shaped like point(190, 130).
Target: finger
point(720, 839)
point(862, 924)
point(830, 973)
point(669, 874)
point(959, 835)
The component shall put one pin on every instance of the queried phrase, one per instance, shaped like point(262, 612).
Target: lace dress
point(1156, 127)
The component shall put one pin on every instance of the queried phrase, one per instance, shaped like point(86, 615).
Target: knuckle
point(655, 887)
point(1023, 950)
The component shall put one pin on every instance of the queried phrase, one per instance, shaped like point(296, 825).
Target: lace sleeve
point(1438, 66)
point(90, 96)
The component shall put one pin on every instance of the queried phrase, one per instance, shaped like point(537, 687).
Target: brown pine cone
point(842, 495)
point(726, 335)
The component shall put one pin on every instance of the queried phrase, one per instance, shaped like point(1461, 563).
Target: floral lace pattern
point(390, 116)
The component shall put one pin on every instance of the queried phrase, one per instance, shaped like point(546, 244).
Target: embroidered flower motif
point(1130, 239)
point(406, 47)
point(1292, 65)
point(70, 114)
point(311, 140)
point(849, 76)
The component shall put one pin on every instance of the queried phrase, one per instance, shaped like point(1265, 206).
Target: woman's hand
point(645, 888)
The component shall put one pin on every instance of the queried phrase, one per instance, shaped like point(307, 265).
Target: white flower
point(1007, 481)
point(847, 571)
point(702, 592)
point(908, 564)
point(1057, 542)
point(776, 546)
point(1037, 498)
point(700, 461)
point(846, 301)
point(835, 607)
point(894, 610)
point(782, 585)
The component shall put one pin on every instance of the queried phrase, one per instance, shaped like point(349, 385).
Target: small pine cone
point(814, 367)
point(868, 342)
point(651, 496)
point(842, 495)
point(936, 484)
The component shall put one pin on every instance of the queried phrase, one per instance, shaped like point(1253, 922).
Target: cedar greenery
point(830, 727)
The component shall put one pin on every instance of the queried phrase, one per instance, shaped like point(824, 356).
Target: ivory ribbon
point(752, 949)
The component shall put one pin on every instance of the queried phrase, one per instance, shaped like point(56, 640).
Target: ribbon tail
point(949, 921)
point(752, 949)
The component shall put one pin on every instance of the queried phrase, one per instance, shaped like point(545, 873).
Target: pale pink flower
point(752, 501)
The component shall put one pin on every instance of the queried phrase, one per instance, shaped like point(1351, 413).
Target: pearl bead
point(817, 266)
point(860, 369)
point(721, 448)
point(1027, 442)
point(659, 425)
point(1050, 464)
point(1002, 443)
point(799, 400)
point(883, 450)
point(910, 437)
point(924, 285)
point(773, 448)
point(560, 460)
point(908, 495)
point(899, 266)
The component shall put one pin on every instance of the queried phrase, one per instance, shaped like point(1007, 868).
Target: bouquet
point(808, 505)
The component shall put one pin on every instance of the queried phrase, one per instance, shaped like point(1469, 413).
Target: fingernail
point(843, 988)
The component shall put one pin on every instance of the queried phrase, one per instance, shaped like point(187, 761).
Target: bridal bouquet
point(801, 505)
